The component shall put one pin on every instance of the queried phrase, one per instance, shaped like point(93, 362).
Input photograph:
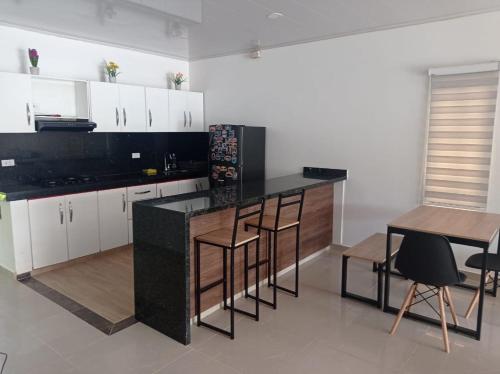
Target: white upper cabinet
point(133, 108)
point(157, 109)
point(16, 103)
point(196, 119)
point(186, 111)
point(118, 107)
point(178, 117)
point(105, 106)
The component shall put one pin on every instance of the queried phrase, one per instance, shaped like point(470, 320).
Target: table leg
point(495, 281)
point(481, 293)
point(387, 289)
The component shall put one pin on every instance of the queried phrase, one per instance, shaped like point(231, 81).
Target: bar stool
point(275, 224)
point(229, 239)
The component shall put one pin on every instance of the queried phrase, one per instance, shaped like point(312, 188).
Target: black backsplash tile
point(43, 155)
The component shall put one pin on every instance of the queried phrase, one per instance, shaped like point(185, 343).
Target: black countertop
point(20, 191)
point(202, 202)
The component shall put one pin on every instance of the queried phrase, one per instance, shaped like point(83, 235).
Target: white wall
point(356, 102)
point(69, 58)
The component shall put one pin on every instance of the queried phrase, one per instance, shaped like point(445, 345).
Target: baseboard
point(263, 282)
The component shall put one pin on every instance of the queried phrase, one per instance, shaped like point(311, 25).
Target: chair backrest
point(427, 259)
point(255, 208)
point(289, 199)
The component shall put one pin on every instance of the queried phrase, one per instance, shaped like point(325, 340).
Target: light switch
point(136, 155)
point(10, 162)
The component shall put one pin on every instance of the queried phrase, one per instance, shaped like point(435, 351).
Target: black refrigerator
point(237, 154)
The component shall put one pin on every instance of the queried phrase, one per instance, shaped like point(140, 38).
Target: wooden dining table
point(466, 227)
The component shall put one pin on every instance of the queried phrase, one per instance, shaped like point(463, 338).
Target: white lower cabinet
point(167, 189)
point(82, 224)
point(49, 244)
point(138, 193)
point(63, 228)
point(113, 222)
point(193, 185)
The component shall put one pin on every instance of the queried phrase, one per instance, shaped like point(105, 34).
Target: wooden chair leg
point(473, 304)
point(475, 299)
point(413, 298)
point(443, 321)
point(449, 301)
point(403, 308)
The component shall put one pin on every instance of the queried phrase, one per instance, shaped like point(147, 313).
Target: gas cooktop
point(65, 181)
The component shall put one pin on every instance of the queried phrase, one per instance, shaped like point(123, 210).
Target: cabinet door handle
point(185, 120)
point(142, 192)
point(0, 212)
point(124, 203)
point(161, 195)
point(61, 214)
point(124, 117)
point(150, 118)
point(190, 119)
point(70, 212)
point(197, 187)
point(117, 117)
point(28, 113)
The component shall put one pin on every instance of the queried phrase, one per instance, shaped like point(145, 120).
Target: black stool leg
point(268, 258)
point(380, 281)
point(224, 277)
point(232, 292)
point(197, 284)
point(344, 276)
point(275, 269)
point(297, 259)
point(246, 269)
point(257, 278)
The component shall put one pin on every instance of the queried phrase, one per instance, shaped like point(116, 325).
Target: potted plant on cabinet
point(112, 71)
point(33, 56)
point(179, 79)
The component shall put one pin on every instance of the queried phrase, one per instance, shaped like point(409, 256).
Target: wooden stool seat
point(223, 237)
point(373, 248)
point(269, 222)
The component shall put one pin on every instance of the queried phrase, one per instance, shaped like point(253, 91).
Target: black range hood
point(78, 125)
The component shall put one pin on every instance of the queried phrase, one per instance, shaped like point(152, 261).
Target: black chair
point(492, 266)
point(229, 239)
point(428, 260)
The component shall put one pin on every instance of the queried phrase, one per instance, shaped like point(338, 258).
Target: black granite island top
point(208, 201)
point(162, 245)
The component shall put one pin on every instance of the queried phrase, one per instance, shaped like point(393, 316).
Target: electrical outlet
point(6, 163)
point(136, 155)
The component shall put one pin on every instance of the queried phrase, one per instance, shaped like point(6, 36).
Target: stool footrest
point(215, 328)
point(241, 311)
point(211, 285)
point(253, 266)
point(284, 289)
point(262, 301)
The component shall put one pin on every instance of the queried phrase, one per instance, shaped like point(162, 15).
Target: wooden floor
point(103, 284)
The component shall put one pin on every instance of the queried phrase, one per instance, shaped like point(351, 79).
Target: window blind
point(460, 135)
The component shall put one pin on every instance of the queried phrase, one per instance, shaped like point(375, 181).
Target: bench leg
point(344, 275)
point(380, 283)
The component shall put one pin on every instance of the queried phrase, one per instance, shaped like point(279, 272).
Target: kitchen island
point(163, 243)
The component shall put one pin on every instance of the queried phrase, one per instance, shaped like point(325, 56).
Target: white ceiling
point(196, 29)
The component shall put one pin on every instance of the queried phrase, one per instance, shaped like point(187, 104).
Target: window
point(462, 106)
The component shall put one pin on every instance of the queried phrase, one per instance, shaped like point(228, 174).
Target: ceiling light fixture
point(275, 15)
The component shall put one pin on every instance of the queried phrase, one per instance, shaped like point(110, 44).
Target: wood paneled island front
point(164, 252)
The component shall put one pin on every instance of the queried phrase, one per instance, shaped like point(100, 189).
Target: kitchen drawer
point(144, 192)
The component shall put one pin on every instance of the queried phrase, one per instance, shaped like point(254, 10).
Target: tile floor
point(316, 333)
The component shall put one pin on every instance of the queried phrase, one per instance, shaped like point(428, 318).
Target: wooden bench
point(372, 249)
